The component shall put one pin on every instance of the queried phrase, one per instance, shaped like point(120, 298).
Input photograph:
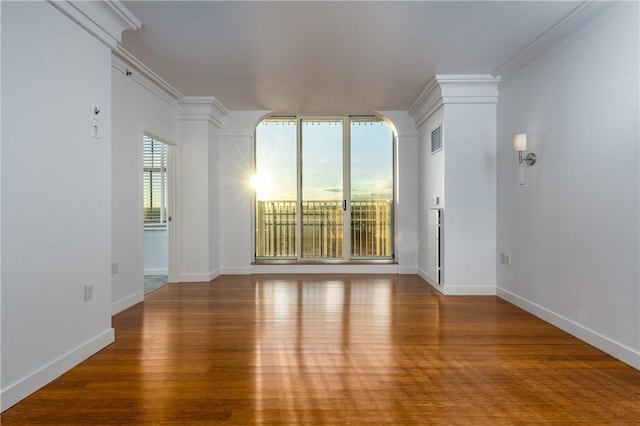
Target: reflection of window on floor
point(342, 209)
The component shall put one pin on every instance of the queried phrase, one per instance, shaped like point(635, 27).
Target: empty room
point(320, 212)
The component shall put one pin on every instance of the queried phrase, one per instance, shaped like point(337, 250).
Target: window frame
point(161, 173)
point(347, 190)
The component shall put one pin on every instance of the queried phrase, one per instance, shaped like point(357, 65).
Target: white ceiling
point(329, 57)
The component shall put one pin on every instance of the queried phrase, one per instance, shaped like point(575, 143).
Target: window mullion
point(299, 188)
point(346, 187)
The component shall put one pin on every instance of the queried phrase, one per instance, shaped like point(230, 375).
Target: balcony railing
point(323, 230)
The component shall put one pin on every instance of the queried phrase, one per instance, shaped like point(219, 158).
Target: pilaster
point(200, 120)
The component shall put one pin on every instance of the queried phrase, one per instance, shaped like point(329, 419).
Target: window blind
point(154, 153)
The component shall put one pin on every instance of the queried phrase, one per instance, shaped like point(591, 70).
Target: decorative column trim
point(105, 20)
point(429, 100)
point(202, 108)
point(468, 89)
point(454, 89)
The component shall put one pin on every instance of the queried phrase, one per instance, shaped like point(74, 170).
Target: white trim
point(236, 271)
point(469, 290)
point(454, 89)
point(592, 337)
point(407, 270)
point(427, 103)
point(126, 302)
point(156, 272)
point(575, 22)
point(458, 290)
point(105, 20)
point(200, 278)
point(325, 269)
point(122, 61)
point(202, 108)
point(24, 387)
point(423, 274)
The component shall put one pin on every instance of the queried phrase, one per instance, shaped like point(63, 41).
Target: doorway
point(156, 206)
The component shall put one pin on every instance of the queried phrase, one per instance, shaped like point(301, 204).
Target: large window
point(324, 189)
point(154, 182)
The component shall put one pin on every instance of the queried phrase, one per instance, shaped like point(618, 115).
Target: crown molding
point(454, 89)
point(133, 73)
point(202, 108)
point(469, 89)
point(125, 61)
point(105, 20)
point(429, 100)
point(572, 23)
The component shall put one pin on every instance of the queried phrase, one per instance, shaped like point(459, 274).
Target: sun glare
point(260, 184)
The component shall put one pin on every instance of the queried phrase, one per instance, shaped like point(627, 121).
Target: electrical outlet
point(115, 268)
point(88, 292)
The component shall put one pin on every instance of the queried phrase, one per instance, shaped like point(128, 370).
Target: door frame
point(172, 186)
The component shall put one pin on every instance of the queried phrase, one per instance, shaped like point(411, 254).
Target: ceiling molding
point(105, 20)
point(128, 59)
point(468, 89)
point(134, 74)
point(429, 100)
point(202, 108)
point(454, 89)
point(576, 20)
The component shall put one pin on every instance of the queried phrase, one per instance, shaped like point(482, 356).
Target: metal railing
point(322, 229)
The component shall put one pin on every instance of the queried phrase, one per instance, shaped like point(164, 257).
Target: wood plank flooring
point(332, 350)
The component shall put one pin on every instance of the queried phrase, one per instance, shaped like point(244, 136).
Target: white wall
point(138, 106)
point(573, 229)
point(463, 176)
point(470, 190)
point(237, 166)
point(407, 184)
point(431, 184)
point(56, 196)
point(200, 120)
point(156, 252)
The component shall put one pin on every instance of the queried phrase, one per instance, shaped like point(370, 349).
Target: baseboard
point(407, 270)
point(458, 290)
point(156, 272)
point(469, 290)
point(613, 348)
point(236, 271)
point(19, 390)
point(199, 278)
point(325, 269)
point(423, 274)
point(126, 303)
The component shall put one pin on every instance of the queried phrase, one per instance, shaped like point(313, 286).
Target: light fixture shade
point(520, 142)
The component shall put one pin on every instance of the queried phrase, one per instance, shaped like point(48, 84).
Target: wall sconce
point(520, 146)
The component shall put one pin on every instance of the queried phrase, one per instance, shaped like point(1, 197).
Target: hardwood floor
point(311, 349)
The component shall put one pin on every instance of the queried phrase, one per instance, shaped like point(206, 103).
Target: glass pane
point(154, 182)
point(275, 183)
point(371, 189)
point(322, 214)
